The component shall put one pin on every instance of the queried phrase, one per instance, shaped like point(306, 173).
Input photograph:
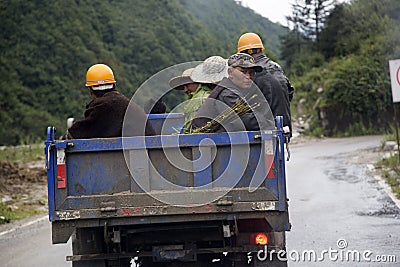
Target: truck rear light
point(270, 166)
point(259, 239)
point(61, 174)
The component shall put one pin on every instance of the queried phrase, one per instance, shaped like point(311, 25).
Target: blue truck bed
point(126, 185)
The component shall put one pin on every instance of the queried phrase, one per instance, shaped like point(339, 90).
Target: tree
point(47, 46)
point(303, 43)
point(348, 92)
point(332, 29)
point(309, 16)
point(320, 10)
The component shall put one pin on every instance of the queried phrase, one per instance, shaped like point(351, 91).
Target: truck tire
point(148, 262)
point(125, 262)
point(241, 261)
point(88, 241)
point(201, 261)
point(274, 263)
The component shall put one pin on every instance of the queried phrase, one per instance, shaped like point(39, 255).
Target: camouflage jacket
point(196, 99)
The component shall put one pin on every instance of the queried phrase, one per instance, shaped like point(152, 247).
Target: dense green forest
point(336, 55)
point(340, 70)
point(47, 46)
point(226, 21)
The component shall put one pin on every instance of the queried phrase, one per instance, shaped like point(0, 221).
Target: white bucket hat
point(178, 81)
point(212, 70)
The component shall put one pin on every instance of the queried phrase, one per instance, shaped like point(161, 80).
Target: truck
point(216, 199)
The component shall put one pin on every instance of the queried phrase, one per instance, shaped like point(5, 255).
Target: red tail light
point(259, 239)
point(270, 165)
point(61, 175)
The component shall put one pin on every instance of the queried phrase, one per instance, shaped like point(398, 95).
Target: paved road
point(332, 197)
point(30, 245)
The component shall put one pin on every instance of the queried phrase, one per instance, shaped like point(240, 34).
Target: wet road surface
point(337, 208)
point(30, 245)
point(332, 197)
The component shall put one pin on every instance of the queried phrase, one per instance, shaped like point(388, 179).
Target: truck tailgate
point(165, 175)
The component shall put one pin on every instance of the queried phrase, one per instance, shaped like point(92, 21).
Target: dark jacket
point(276, 70)
point(276, 88)
point(104, 117)
point(225, 95)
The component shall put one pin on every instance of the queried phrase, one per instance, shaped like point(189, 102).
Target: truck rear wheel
point(274, 263)
point(88, 241)
point(91, 241)
point(242, 260)
point(202, 260)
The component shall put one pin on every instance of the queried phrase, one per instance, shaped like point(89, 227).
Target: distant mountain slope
point(228, 20)
point(47, 47)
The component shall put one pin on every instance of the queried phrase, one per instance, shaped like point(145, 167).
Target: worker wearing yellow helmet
point(278, 97)
point(99, 75)
point(250, 42)
point(104, 115)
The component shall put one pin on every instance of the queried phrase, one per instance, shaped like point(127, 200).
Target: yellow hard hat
point(249, 40)
point(99, 74)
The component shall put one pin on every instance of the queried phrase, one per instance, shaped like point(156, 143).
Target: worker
point(198, 83)
point(238, 85)
point(278, 97)
point(104, 115)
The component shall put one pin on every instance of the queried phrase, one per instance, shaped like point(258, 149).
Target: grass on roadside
point(23, 153)
point(391, 168)
point(391, 175)
point(10, 213)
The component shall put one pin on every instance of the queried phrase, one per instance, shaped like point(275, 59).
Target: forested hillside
point(47, 47)
point(226, 20)
point(341, 70)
